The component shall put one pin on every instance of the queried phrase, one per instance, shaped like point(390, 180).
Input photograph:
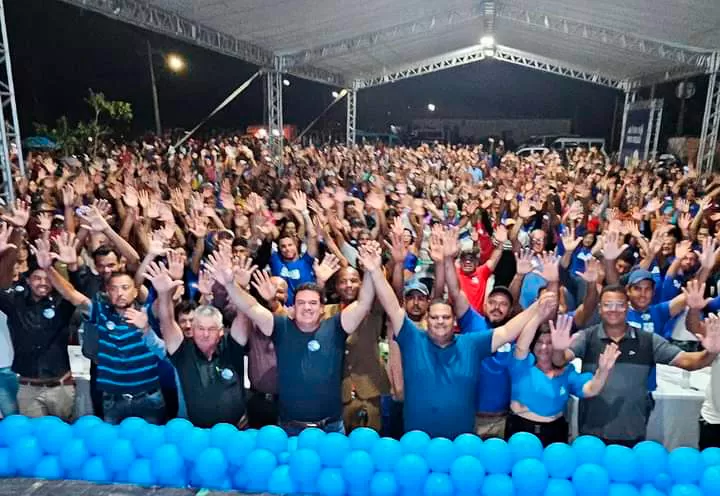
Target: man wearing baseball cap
point(642, 314)
point(417, 300)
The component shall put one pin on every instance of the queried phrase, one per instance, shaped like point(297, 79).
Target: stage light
point(175, 62)
point(335, 94)
point(286, 82)
point(487, 41)
point(431, 107)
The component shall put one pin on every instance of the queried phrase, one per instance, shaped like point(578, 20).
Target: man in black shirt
point(210, 364)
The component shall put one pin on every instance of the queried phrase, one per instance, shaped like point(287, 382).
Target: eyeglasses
point(208, 329)
point(614, 305)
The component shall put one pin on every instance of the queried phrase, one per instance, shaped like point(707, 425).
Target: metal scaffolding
point(711, 121)
point(9, 125)
point(350, 130)
point(276, 130)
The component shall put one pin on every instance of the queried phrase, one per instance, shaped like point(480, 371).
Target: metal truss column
point(350, 131)
point(655, 125)
point(626, 107)
point(275, 113)
point(711, 121)
point(9, 125)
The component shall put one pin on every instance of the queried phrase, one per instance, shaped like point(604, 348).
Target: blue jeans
point(150, 406)
point(8, 392)
point(293, 429)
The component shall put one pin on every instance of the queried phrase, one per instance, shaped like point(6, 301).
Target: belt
point(130, 397)
point(315, 423)
point(66, 380)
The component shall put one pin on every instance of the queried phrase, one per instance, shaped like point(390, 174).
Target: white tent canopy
point(623, 44)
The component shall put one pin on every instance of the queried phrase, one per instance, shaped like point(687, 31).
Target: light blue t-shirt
point(441, 383)
point(493, 391)
point(543, 395)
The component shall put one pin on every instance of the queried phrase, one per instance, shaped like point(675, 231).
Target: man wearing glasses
point(619, 414)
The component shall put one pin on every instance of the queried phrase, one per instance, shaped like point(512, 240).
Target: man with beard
point(127, 369)
point(364, 377)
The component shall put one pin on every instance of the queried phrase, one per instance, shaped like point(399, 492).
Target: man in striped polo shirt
point(127, 368)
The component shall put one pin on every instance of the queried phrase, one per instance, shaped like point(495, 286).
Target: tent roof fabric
point(359, 40)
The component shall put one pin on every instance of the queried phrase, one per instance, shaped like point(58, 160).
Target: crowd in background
point(439, 288)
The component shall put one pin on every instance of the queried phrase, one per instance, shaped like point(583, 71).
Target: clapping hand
point(370, 256)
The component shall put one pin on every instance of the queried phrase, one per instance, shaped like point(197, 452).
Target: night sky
point(59, 51)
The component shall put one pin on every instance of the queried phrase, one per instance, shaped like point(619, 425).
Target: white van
point(574, 142)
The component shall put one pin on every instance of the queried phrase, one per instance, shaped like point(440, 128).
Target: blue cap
point(639, 275)
point(416, 286)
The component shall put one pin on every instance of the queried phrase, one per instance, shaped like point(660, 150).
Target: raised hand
point(709, 254)
point(156, 246)
point(5, 233)
point(160, 278)
point(94, 219)
point(501, 234)
point(451, 247)
point(42, 253)
point(325, 270)
point(44, 221)
point(299, 200)
point(684, 221)
point(569, 241)
point(20, 214)
point(437, 253)
point(711, 339)
point(611, 247)
point(68, 196)
point(137, 318)
point(607, 359)
point(67, 248)
point(524, 262)
point(205, 282)
point(264, 285)
point(550, 267)
point(547, 305)
point(176, 263)
point(683, 248)
point(695, 293)
point(370, 256)
point(243, 270)
point(560, 332)
point(593, 267)
point(197, 226)
point(131, 197)
point(398, 251)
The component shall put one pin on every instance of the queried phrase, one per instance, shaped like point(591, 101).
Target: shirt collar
point(630, 333)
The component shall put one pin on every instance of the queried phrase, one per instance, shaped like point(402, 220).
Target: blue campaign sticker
point(48, 313)
point(313, 345)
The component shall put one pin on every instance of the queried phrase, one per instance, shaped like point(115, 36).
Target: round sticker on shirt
point(226, 374)
point(313, 345)
point(110, 325)
point(20, 288)
point(48, 313)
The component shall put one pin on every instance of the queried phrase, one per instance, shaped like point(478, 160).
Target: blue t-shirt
point(653, 319)
point(295, 273)
point(493, 391)
point(543, 395)
point(441, 383)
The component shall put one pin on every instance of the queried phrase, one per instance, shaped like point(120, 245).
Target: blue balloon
point(438, 484)
point(685, 465)
point(363, 438)
point(41, 425)
point(411, 471)
point(622, 489)
point(358, 468)
point(649, 490)
point(226, 484)
point(710, 481)
point(25, 453)
point(260, 463)
point(55, 437)
point(14, 427)
point(711, 456)
point(497, 484)
point(73, 455)
point(280, 481)
point(196, 441)
point(651, 459)
point(685, 490)
point(305, 465)
point(621, 463)
point(383, 484)
point(467, 474)
point(310, 438)
point(150, 439)
point(560, 460)
point(559, 487)
point(120, 456)
point(100, 439)
point(663, 482)
point(525, 445)
point(241, 480)
point(440, 454)
point(177, 430)
point(167, 464)
point(221, 434)
point(333, 449)
point(211, 465)
point(84, 426)
point(415, 442)
point(7, 469)
point(292, 444)
point(529, 476)
point(386, 453)
point(132, 427)
point(591, 480)
point(48, 468)
point(283, 458)
point(239, 448)
point(94, 470)
point(140, 473)
point(468, 444)
point(495, 456)
point(272, 438)
point(331, 482)
point(589, 449)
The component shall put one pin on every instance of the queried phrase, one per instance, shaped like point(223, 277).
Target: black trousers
point(96, 396)
point(262, 409)
point(556, 431)
point(709, 435)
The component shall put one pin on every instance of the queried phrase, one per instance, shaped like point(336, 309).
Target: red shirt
point(474, 285)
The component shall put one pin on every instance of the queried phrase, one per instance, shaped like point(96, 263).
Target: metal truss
point(9, 125)
point(369, 40)
point(711, 121)
point(274, 92)
point(656, 113)
point(475, 54)
point(350, 129)
point(607, 36)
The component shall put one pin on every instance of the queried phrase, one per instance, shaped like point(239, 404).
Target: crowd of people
point(443, 288)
